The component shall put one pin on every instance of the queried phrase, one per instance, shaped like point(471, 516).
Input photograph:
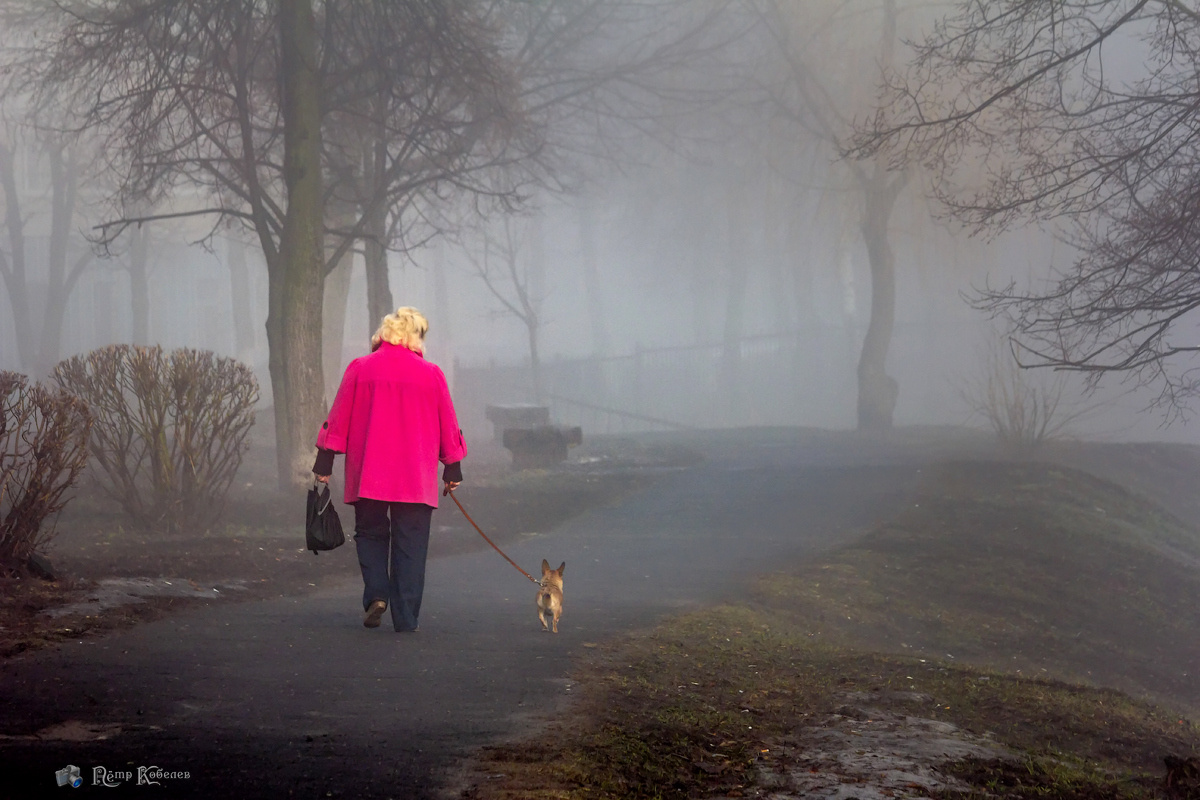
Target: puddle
point(71, 730)
point(116, 592)
point(872, 754)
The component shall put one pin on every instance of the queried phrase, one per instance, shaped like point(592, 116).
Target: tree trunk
point(296, 376)
point(535, 361)
point(699, 264)
point(441, 308)
point(591, 278)
point(375, 259)
point(735, 302)
point(65, 174)
point(139, 286)
point(239, 284)
point(52, 323)
point(16, 280)
point(535, 290)
point(878, 391)
point(779, 274)
point(39, 325)
point(337, 294)
point(375, 254)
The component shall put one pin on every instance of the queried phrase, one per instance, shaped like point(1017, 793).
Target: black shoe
point(374, 614)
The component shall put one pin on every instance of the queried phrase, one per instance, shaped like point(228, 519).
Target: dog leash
point(485, 537)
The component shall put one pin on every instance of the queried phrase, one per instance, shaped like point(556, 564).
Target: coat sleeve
point(335, 432)
point(324, 463)
point(452, 448)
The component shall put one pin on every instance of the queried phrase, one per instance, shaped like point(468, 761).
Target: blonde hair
point(406, 328)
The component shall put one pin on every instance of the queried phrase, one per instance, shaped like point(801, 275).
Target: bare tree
point(1079, 115)
point(296, 303)
point(38, 284)
point(508, 274)
point(595, 79)
point(139, 283)
point(606, 83)
point(804, 96)
point(422, 102)
point(186, 95)
point(239, 281)
point(424, 107)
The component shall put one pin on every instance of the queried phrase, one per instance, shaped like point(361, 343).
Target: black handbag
point(323, 528)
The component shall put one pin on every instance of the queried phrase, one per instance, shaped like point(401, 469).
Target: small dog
point(550, 596)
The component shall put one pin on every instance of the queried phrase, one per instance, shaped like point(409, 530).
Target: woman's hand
point(450, 487)
point(322, 478)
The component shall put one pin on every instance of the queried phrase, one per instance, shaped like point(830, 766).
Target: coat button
point(326, 425)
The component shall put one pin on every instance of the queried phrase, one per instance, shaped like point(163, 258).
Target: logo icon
point(69, 774)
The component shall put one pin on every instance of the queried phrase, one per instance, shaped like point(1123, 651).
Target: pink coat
point(394, 420)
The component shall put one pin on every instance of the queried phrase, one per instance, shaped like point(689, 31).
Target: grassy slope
point(1022, 568)
point(1001, 602)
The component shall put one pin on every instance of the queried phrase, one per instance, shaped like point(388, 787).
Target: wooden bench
point(516, 415)
point(541, 446)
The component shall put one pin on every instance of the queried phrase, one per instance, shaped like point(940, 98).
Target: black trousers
point(393, 541)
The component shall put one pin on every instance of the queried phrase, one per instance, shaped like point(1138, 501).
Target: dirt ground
point(111, 575)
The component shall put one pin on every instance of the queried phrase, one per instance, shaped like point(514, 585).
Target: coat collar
point(399, 348)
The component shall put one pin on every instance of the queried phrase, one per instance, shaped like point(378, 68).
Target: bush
point(1023, 410)
point(170, 430)
point(43, 447)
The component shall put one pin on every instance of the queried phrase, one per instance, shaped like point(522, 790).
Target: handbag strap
point(328, 494)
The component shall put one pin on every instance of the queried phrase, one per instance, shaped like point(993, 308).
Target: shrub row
point(165, 432)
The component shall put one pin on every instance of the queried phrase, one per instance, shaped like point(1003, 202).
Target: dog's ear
point(545, 566)
point(560, 569)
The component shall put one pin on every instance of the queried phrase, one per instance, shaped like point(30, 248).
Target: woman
point(394, 420)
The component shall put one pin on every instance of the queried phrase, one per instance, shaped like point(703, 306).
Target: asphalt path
point(293, 697)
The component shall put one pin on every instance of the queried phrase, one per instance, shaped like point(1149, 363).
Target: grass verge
point(1029, 607)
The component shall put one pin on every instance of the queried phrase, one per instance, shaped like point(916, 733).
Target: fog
point(779, 266)
point(712, 275)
